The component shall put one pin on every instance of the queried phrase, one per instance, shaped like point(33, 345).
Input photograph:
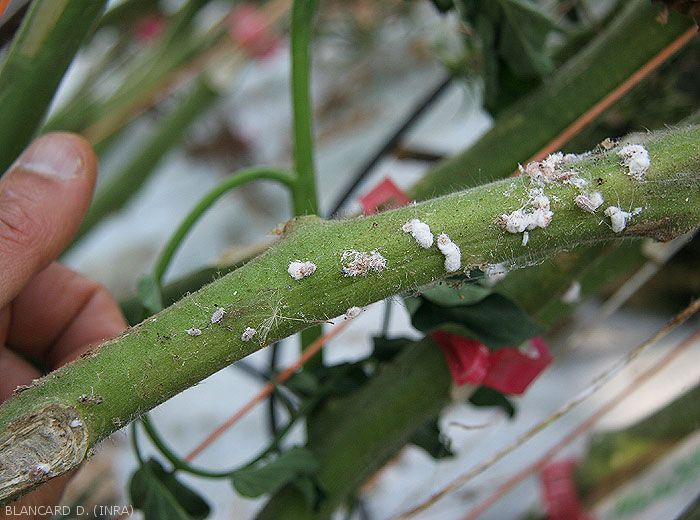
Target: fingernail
point(52, 155)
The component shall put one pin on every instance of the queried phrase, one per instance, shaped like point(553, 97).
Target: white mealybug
point(299, 270)
point(526, 238)
point(218, 315)
point(194, 331)
point(636, 158)
point(535, 214)
point(618, 218)
point(573, 293)
point(353, 312)
point(420, 231)
point(75, 423)
point(453, 256)
point(39, 471)
point(494, 273)
point(589, 202)
point(360, 263)
point(248, 334)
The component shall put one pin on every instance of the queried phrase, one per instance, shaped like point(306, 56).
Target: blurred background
point(174, 110)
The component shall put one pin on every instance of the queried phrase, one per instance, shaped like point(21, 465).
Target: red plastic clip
point(509, 370)
point(385, 195)
point(561, 501)
point(250, 30)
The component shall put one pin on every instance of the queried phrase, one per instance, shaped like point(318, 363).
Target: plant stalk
point(157, 359)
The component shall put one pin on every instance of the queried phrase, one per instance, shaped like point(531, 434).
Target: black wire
point(272, 426)
point(391, 142)
point(252, 371)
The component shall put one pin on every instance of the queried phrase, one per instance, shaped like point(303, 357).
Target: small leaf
point(385, 349)
point(488, 397)
point(149, 294)
point(495, 321)
point(343, 378)
point(443, 5)
point(412, 303)
point(303, 383)
point(268, 478)
point(313, 495)
point(161, 496)
point(448, 296)
point(432, 440)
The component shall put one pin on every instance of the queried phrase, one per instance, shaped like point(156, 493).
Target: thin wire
point(583, 427)
point(391, 143)
point(590, 115)
point(272, 400)
point(630, 287)
point(595, 385)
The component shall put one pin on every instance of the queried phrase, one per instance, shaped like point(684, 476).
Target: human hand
point(47, 312)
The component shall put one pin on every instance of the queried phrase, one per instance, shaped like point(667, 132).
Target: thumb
point(43, 198)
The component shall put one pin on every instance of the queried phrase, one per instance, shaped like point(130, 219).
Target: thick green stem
point(126, 182)
point(159, 358)
point(51, 34)
point(524, 128)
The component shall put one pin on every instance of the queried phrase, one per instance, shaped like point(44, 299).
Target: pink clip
point(508, 370)
point(250, 30)
point(561, 501)
point(385, 195)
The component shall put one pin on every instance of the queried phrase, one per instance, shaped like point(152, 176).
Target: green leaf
point(343, 378)
point(303, 383)
point(485, 396)
point(313, 495)
point(149, 294)
point(432, 440)
point(495, 321)
point(386, 348)
point(443, 5)
point(268, 478)
point(161, 496)
point(450, 296)
point(412, 303)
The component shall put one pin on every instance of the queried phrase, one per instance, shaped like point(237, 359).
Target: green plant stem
point(177, 462)
point(49, 37)
point(126, 182)
point(181, 464)
point(626, 451)
point(152, 72)
point(520, 131)
point(304, 192)
point(157, 359)
point(236, 180)
point(304, 196)
point(127, 13)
